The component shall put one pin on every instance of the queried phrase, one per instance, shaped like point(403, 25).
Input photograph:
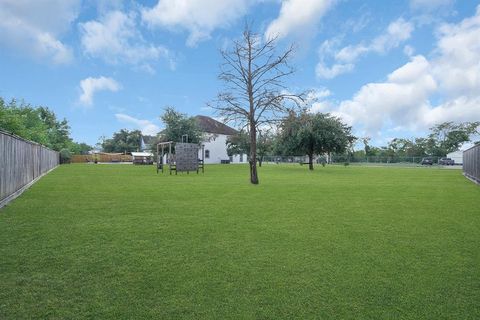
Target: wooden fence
point(22, 162)
point(101, 157)
point(471, 163)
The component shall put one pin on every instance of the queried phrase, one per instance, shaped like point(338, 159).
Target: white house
point(216, 134)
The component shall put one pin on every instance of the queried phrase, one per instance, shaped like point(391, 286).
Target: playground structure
point(185, 158)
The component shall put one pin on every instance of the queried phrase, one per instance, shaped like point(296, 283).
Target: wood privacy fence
point(471, 163)
point(101, 157)
point(22, 162)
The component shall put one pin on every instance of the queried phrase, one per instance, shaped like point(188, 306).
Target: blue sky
point(389, 68)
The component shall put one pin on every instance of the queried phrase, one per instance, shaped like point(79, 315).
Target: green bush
point(65, 156)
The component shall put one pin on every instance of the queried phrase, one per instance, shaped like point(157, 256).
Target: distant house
point(147, 142)
point(216, 134)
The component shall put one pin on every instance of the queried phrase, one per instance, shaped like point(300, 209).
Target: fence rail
point(471, 163)
point(414, 160)
point(21, 163)
point(101, 158)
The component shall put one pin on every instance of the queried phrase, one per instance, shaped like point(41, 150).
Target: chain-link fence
point(340, 159)
point(471, 163)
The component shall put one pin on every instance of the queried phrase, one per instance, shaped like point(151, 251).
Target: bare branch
point(256, 93)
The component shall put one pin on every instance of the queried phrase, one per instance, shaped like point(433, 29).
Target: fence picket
point(21, 162)
point(471, 163)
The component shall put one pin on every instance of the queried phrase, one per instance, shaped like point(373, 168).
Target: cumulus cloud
point(35, 27)
point(115, 39)
point(391, 101)
point(147, 127)
point(198, 17)
point(344, 59)
point(330, 72)
point(451, 75)
point(297, 16)
point(90, 86)
point(316, 99)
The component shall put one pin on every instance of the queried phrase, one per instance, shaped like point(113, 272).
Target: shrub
point(65, 156)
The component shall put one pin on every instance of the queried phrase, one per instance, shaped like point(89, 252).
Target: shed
point(456, 156)
point(142, 158)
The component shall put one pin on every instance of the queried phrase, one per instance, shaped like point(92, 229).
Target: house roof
point(210, 125)
point(149, 139)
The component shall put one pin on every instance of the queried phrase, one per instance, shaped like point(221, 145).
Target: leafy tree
point(23, 120)
point(80, 148)
point(240, 144)
point(447, 137)
point(65, 156)
point(253, 74)
point(123, 141)
point(368, 148)
point(266, 142)
point(58, 132)
point(310, 134)
point(178, 124)
point(37, 124)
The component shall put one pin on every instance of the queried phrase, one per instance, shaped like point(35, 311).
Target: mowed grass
point(121, 242)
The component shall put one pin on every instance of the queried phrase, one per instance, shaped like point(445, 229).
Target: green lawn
point(121, 242)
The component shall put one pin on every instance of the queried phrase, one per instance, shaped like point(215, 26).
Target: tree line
point(442, 139)
point(39, 124)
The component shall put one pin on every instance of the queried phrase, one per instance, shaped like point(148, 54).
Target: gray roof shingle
point(210, 125)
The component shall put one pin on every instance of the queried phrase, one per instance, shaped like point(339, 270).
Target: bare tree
point(255, 93)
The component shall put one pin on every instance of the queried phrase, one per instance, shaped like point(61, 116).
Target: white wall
point(236, 158)
point(456, 156)
point(216, 144)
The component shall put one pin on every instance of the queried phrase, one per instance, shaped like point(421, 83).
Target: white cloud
point(297, 16)
point(147, 127)
point(397, 32)
point(451, 76)
point(199, 17)
point(344, 59)
point(429, 4)
point(460, 109)
point(316, 99)
point(395, 100)
point(35, 27)
point(115, 39)
point(458, 61)
point(409, 50)
point(90, 86)
point(326, 72)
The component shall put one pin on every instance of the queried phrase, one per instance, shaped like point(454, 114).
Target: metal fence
point(21, 163)
point(471, 163)
point(350, 159)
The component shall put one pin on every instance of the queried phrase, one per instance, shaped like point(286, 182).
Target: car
point(427, 161)
point(446, 161)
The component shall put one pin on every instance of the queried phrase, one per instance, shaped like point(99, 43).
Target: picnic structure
point(142, 158)
point(184, 159)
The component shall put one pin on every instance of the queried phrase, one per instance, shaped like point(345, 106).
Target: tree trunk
point(253, 154)
point(310, 161)
point(260, 160)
